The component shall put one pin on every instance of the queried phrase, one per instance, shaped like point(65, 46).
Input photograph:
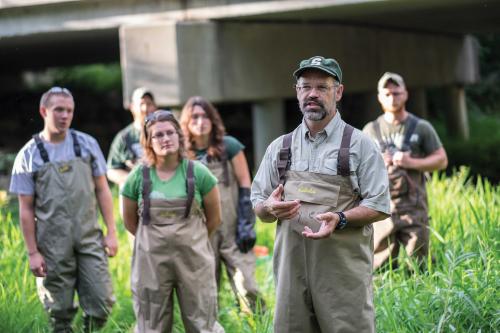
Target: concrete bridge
point(245, 51)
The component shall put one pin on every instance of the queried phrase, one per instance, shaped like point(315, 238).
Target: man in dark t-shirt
point(125, 150)
point(410, 147)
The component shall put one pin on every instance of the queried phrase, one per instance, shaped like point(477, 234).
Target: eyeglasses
point(160, 135)
point(158, 115)
point(59, 90)
point(306, 88)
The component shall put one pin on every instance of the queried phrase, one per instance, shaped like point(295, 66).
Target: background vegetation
point(458, 293)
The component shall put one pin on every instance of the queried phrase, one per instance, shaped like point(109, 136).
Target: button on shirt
point(319, 155)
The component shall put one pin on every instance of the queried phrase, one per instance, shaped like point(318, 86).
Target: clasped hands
point(286, 210)
point(399, 158)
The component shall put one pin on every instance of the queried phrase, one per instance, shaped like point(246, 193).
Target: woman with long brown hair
point(206, 141)
point(171, 205)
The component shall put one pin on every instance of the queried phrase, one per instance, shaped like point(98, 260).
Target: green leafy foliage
point(480, 152)
point(485, 95)
point(98, 78)
point(458, 292)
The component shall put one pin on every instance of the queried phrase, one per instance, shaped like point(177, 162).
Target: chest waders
point(172, 253)
point(409, 222)
point(240, 266)
point(322, 285)
point(407, 186)
point(70, 240)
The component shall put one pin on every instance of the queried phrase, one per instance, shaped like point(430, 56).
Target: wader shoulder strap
point(76, 144)
point(189, 187)
point(343, 157)
point(146, 190)
point(412, 124)
point(284, 157)
point(41, 148)
point(225, 168)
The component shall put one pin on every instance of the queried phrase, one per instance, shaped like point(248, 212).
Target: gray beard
point(315, 115)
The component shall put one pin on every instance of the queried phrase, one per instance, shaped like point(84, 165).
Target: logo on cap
point(316, 61)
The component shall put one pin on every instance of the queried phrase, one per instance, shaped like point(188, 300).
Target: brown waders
point(172, 252)
point(409, 221)
point(322, 285)
point(240, 267)
point(70, 241)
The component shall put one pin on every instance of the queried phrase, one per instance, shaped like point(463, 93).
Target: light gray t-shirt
point(319, 155)
point(29, 160)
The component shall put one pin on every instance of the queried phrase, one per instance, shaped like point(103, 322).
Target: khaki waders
point(322, 285)
point(172, 252)
point(70, 241)
point(240, 266)
point(409, 221)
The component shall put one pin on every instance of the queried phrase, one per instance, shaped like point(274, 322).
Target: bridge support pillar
point(268, 122)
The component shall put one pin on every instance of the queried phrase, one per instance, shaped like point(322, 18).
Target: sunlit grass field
point(459, 292)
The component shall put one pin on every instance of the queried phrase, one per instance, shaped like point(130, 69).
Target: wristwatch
point(342, 221)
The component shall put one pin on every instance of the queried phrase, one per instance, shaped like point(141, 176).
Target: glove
point(245, 233)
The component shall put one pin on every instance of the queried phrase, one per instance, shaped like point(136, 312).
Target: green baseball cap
point(328, 65)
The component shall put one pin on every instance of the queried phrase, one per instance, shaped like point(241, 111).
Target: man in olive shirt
point(324, 184)
point(126, 149)
point(410, 147)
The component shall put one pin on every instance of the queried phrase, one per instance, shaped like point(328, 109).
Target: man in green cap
point(410, 147)
point(325, 184)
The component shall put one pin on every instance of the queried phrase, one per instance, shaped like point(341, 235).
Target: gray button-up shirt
point(319, 155)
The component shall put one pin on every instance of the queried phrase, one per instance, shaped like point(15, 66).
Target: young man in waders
point(410, 147)
point(60, 179)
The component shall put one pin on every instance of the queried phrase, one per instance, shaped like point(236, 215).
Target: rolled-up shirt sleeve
point(266, 179)
point(372, 177)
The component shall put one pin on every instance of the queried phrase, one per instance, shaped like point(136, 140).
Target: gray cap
point(328, 65)
point(140, 93)
point(390, 77)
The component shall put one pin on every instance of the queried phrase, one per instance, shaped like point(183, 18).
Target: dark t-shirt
point(125, 147)
point(423, 141)
point(233, 147)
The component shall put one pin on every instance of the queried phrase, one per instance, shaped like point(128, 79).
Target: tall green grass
point(458, 292)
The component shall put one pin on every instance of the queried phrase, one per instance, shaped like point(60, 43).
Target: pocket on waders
point(315, 198)
point(170, 216)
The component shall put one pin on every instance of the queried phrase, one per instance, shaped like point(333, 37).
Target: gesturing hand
point(328, 222)
point(283, 210)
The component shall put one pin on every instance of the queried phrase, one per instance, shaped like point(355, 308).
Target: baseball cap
point(140, 93)
point(393, 77)
point(328, 65)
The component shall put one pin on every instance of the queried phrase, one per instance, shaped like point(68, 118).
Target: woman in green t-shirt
point(171, 205)
point(234, 239)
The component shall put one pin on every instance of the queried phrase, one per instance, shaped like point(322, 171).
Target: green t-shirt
point(233, 147)
point(174, 188)
point(423, 141)
point(125, 147)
